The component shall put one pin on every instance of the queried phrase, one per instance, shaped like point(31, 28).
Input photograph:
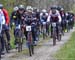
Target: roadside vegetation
point(67, 52)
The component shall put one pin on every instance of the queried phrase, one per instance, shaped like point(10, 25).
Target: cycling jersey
point(6, 16)
point(54, 17)
point(2, 17)
point(43, 17)
point(63, 16)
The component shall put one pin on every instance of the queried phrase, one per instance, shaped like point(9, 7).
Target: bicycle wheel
point(30, 43)
point(20, 41)
point(59, 33)
point(54, 36)
point(32, 47)
point(59, 37)
point(19, 44)
point(30, 52)
point(44, 33)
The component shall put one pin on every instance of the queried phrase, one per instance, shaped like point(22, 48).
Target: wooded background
point(69, 5)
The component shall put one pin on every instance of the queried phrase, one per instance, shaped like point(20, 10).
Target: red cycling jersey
point(6, 16)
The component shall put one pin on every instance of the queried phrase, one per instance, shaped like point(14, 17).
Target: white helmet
point(44, 11)
point(29, 8)
point(15, 8)
point(62, 9)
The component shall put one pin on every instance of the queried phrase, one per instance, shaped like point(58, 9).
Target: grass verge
point(67, 52)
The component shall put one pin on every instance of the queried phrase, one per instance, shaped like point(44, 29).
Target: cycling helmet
point(54, 7)
point(1, 6)
point(34, 9)
point(21, 7)
point(59, 8)
point(44, 11)
point(38, 10)
point(29, 9)
point(62, 9)
point(15, 8)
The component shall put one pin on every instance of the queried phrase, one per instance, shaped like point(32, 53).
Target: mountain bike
point(30, 40)
point(19, 38)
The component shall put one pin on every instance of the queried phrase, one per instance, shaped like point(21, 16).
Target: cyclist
point(6, 25)
point(71, 21)
point(30, 19)
point(63, 16)
point(68, 21)
point(54, 16)
point(2, 22)
point(43, 17)
point(36, 14)
point(14, 16)
point(19, 21)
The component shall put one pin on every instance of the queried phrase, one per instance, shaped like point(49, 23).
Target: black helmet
point(1, 6)
point(59, 8)
point(21, 7)
point(54, 7)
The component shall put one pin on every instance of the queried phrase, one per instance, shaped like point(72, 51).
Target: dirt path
point(45, 52)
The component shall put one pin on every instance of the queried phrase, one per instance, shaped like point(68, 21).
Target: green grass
point(67, 52)
point(12, 39)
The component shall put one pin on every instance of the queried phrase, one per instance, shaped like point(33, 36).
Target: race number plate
point(54, 24)
point(28, 28)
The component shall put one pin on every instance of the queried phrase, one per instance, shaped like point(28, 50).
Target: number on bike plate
point(54, 24)
point(28, 28)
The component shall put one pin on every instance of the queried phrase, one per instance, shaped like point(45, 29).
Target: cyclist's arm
point(49, 16)
point(3, 18)
point(59, 16)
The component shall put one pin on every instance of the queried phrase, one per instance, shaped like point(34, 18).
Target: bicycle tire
point(54, 37)
point(32, 49)
point(59, 38)
point(30, 52)
point(30, 43)
point(20, 45)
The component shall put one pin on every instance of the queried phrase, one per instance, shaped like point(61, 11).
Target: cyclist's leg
point(7, 35)
point(15, 34)
point(57, 29)
point(2, 43)
point(34, 37)
point(8, 38)
point(51, 31)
